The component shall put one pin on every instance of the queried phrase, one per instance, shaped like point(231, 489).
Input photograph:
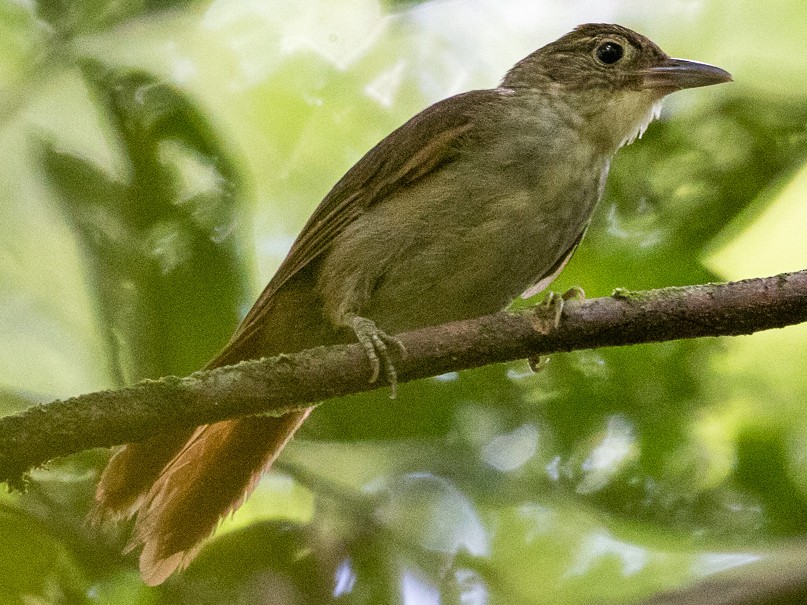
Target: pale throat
point(624, 117)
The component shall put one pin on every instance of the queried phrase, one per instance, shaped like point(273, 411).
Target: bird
point(479, 198)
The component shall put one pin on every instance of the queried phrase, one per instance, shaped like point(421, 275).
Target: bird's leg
point(549, 311)
point(377, 345)
point(552, 306)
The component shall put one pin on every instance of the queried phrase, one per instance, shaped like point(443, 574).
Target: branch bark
point(287, 382)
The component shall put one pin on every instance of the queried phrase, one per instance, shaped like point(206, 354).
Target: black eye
point(610, 52)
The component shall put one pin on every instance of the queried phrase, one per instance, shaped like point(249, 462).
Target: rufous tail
point(183, 483)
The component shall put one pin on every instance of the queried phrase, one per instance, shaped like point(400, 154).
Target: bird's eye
point(609, 52)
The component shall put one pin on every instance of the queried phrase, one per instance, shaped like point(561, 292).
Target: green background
point(158, 158)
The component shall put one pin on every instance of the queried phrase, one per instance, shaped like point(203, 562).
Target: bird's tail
point(182, 484)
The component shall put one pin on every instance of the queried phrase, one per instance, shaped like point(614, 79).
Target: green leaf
point(671, 194)
point(35, 567)
point(74, 17)
point(244, 566)
point(161, 241)
point(425, 408)
point(13, 401)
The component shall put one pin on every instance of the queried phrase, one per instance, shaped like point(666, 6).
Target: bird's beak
point(677, 74)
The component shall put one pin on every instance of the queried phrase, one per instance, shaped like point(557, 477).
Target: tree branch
point(777, 577)
point(288, 382)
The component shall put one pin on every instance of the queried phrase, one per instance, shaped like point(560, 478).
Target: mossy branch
point(287, 382)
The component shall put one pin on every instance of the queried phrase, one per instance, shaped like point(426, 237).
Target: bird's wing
point(428, 141)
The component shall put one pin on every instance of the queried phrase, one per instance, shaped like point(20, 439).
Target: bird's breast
point(468, 241)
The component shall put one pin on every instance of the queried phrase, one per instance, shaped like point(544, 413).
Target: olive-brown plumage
point(477, 199)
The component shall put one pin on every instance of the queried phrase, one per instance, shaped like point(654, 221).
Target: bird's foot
point(377, 345)
point(549, 311)
point(537, 363)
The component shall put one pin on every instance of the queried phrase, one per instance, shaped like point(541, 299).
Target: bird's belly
point(446, 250)
point(466, 273)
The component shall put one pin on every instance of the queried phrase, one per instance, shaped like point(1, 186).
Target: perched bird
point(477, 199)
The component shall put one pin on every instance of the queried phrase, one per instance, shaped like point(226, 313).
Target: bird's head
point(613, 77)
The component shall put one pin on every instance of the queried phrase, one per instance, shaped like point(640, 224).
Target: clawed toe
point(377, 345)
point(554, 304)
point(574, 293)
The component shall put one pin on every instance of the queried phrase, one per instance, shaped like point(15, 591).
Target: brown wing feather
point(426, 142)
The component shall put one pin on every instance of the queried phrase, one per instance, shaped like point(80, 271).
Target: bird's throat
point(624, 118)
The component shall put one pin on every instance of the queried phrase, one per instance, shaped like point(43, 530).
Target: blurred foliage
point(159, 248)
point(68, 19)
point(147, 142)
point(34, 562)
